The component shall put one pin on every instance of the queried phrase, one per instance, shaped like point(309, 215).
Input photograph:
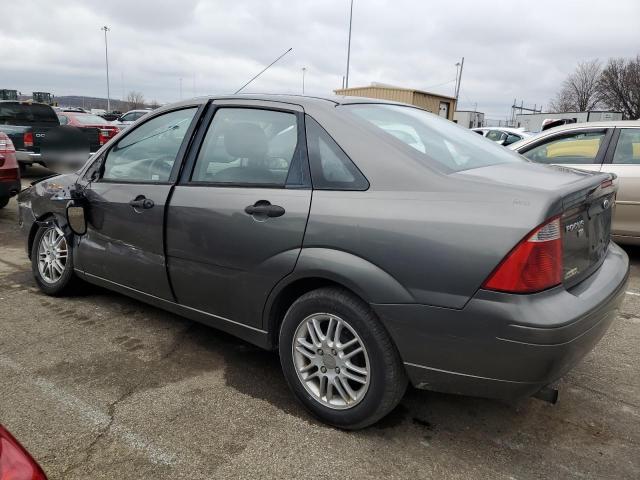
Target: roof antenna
point(262, 71)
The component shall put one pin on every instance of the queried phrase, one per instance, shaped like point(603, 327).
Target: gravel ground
point(102, 386)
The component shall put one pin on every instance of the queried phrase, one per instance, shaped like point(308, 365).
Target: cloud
point(511, 49)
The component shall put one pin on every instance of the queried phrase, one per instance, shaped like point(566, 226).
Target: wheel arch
point(321, 267)
point(40, 220)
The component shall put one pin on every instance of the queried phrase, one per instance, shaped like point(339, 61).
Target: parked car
point(15, 461)
point(111, 116)
point(612, 147)
point(503, 135)
point(9, 171)
point(435, 257)
point(97, 130)
point(27, 124)
point(128, 118)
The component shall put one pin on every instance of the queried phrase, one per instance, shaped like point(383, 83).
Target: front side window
point(628, 147)
point(572, 148)
point(247, 146)
point(434, 141)
point(148, 153)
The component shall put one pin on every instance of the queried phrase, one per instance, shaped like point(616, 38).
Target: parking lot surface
point(102, 386)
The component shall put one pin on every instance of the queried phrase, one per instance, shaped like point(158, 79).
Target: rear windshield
point(435, 141)
point(87, 119)
point(27, 114)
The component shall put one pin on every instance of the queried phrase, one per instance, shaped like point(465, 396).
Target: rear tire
point(4, 202)
point(320, 338)
point(52, 261)
point(23, 168)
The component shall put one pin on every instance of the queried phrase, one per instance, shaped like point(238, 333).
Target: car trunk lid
point(586, 228)
point(582, 200)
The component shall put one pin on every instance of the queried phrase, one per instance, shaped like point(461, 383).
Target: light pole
point(304, 69)
point(106, 60)
point(459, 79)
point(346, 82)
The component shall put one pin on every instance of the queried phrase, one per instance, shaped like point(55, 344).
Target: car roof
point(607, 124)
point(304, 101)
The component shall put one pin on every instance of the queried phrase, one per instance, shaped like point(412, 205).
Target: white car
point(503, 135)
point(612, 147)
point(126, 119)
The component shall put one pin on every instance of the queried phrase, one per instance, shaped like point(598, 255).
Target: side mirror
point(76, 218)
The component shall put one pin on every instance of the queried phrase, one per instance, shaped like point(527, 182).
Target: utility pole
point(346, 83)
point(106, 59)
point(459, 81)
point(304, 69)
point(180, 88)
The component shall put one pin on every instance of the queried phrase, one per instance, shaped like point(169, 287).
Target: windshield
point(88, 119)
point(435, 141)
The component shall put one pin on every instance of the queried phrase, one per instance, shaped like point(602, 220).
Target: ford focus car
point(371, 244)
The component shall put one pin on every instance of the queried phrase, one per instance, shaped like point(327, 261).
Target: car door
point(623, 159)
point(236, 220)
point(580, 148)
point(126, 204)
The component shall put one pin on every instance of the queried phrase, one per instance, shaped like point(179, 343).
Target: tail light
point(534, 264)
point(6, 146)
point(15, 461)
point(28, 139)
point(106, 134)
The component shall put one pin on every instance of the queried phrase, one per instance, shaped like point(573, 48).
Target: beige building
point(440, 104)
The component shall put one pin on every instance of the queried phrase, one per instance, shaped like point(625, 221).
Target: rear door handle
point(142, 202)
point(264, 209)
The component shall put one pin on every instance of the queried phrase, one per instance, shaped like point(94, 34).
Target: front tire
point(339, 360)
point(4, 202)
point(52, 261)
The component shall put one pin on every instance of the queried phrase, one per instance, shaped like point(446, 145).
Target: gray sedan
point(371, 244)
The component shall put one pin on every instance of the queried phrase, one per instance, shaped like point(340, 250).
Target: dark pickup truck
point(27, 125)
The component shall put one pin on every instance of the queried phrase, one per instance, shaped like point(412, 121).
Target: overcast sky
point(511, 49)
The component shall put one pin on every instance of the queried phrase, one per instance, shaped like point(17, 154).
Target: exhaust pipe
point(547, 394)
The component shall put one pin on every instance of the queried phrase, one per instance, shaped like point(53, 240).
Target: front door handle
point(142, 202)
point(264, 209)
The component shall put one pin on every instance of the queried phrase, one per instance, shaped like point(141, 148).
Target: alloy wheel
point(52, 255)
point(331, 361)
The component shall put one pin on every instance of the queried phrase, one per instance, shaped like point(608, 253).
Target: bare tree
point(135, 100)
point(620, 86)
point(580, 92)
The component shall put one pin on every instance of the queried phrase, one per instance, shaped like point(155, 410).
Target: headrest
point(246, 140)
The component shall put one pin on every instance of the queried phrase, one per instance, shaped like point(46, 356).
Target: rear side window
point(432, 140)
point(26, 114)
point(573, 148)
point(628, 147)
point(331, 169)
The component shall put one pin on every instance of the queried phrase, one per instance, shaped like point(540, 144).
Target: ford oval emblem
point(605, 203)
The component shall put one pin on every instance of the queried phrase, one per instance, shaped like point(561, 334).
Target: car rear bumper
point(29, 158)
point(503, 345)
